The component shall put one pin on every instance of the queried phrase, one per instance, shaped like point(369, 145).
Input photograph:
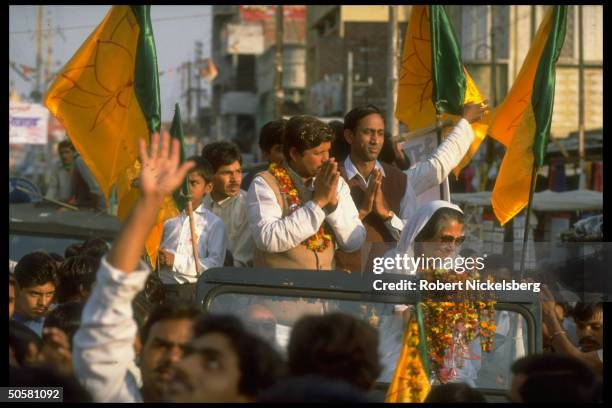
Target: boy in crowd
point(36, 276)
point(271, 145)
point(228, 201)
point(178, 270)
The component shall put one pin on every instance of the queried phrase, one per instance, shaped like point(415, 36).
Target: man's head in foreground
point(336, 346)
point(164, 337)
point(224, 363)
point(552, 377)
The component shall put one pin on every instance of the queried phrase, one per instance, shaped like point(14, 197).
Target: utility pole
point(582, 179)
point(38, 50)
point(198, 57)
point(189, 93)
point(49, 56)
point(392, 124)
point(278, 62)
point(349, 82)
point(490, 156)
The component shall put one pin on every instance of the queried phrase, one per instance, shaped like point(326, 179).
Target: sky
point(175, 28)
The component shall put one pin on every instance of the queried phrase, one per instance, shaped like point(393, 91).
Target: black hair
point(72, 250)
point(57, 257)
point(44, 376)
point(35, 269)
point(337, 346)
point(436, 223)
point(20, 337)
point(313, 389)
point(305, 132)
point(168, 311)
point(65, 144)
point(271, 134)
point(351, 119)
point(260, 365)
point(555, 377)
point(340, 148)
point(583, 312)
point(66, 317)
point(95, 243)
point(221, 154)
point(76, 275)
point(454, 392)
point(202, 167)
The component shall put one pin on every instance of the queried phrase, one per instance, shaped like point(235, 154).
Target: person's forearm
point(128, 246)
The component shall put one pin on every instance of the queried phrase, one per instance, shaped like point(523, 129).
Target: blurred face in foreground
point(160, 354)
point(209, 372)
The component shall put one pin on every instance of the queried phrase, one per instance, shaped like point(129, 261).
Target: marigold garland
point(320, 241)
point(442, 318)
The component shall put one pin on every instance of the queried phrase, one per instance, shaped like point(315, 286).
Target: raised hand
point(473, 112)
point(160, 173)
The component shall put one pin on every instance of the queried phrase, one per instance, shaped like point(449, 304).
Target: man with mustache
point(589, 326)
point(104, 346)
point(36, 276)
point(299, 211)
point(224, 363)
point(384, 195)
point(227, 201)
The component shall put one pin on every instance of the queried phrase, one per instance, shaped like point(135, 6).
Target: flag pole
point(534, 176)
point(439, 137)
point(194, 243)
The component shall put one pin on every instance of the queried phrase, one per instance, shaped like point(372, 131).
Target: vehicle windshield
point(273, 317)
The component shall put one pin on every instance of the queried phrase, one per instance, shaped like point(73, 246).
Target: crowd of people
point(75, 319)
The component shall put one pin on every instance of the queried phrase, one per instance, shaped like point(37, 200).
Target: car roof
point(47, 219)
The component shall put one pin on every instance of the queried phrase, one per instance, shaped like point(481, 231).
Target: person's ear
point(208, 186)
point(294, 154)
point(348, 136)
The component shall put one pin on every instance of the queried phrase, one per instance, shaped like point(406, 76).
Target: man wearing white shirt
point(298, 212)
point(178, 270)
point(384, 195)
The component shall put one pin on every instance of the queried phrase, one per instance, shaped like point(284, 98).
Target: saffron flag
point(432, 74)
point(522, 121)
point(410, 382)
point(107, 98)
point(107, 95)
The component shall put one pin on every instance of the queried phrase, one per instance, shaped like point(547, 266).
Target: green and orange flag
point(522, 121)
point(107, 98)
point(433, 75)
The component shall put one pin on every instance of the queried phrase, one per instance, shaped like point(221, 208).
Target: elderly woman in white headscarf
point(435, 230)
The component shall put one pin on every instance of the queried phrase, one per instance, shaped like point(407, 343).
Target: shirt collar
point(351, 170)
point(223, 203)
point(299, 180)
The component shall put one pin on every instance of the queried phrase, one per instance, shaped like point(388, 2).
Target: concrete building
point(244, 52)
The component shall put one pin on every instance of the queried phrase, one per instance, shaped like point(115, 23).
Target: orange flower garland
point(319, 241)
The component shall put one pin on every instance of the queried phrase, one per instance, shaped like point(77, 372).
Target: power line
point(93, 26)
